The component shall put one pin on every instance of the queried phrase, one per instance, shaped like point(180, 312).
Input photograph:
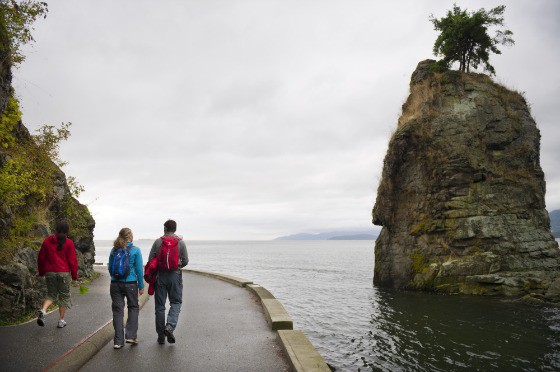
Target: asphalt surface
point(28, 347)
point(221, 327)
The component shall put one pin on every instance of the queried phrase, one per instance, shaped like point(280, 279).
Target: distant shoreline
point(343, 237)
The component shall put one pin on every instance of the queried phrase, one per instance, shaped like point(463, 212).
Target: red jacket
point(52, 260)
point(150, 274)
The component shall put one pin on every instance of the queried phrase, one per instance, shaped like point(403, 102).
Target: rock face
point(21, 290)
point(461, 199)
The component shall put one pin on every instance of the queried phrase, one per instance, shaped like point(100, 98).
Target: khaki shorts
point(58, 288)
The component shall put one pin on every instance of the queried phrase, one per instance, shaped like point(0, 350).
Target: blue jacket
point(136, 273)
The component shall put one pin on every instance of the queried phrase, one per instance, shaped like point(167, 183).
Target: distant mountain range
point(333, 235)
point(555, 223)
point(372, 234)
point(354, 237)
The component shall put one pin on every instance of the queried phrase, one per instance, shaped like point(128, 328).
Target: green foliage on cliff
point(28, 169)
point(17, 18)
point(8, 121)
point(48, 140)
point(16, 182)
point(464, 38)
point(33, 189)
point(15, 178)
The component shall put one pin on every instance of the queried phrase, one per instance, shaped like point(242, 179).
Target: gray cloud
point(251, 119)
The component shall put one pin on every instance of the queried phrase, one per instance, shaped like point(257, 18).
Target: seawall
point(299, 351)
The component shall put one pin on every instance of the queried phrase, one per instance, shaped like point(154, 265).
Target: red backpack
point(168, 256)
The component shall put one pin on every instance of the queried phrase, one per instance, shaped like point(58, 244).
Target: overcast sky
point(252, 119)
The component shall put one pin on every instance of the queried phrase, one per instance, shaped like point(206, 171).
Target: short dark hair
point(170, 226)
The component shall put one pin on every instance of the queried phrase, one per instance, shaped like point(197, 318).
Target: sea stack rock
point(461, 199)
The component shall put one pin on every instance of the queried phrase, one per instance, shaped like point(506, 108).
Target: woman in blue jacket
point(131, 286)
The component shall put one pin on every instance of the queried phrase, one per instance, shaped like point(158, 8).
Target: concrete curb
point(262, 292)
point(277, 316)
point(83, 351)
point(301, 353)
point(228, 278)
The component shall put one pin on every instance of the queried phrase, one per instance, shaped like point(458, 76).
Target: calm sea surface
point(326, 286)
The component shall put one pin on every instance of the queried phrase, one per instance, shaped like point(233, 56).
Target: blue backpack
point(121, 264)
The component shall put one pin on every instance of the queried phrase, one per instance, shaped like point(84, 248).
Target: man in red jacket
point(57, 262)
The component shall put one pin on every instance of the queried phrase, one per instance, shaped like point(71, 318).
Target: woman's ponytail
point(125, 235)
point(62, 229)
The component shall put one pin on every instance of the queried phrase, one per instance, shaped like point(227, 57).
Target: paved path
point(222, 327)
point(28, 347)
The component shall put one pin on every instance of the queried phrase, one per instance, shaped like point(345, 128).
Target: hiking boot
point(117, 346)
point(41, 317)
point(161, 340)
point(169, 333)
point(61, 323)
point(132, 341)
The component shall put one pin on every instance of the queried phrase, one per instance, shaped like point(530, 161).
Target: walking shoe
point(61, 323)
point(169, 333)
point(117, 346)
point(161, 340)
point(41, 317)
point(132, 341)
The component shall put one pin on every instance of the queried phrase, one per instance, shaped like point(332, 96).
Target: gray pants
point(118, 293)
point(169, 284)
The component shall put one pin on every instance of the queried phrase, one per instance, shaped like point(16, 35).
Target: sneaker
point(117, 346)
point(41, 317)
point(61, 323)
point(161, 340)
point(169, 333)
point(132, 341)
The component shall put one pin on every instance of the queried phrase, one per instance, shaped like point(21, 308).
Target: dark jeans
point(169, 284)
point(118, 293)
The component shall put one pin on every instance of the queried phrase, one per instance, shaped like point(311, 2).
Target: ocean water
point(327, 288)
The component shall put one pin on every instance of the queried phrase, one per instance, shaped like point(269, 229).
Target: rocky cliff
point(461, 199)
point(34, 194)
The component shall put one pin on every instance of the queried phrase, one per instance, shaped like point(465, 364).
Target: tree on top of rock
point(464, 38)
